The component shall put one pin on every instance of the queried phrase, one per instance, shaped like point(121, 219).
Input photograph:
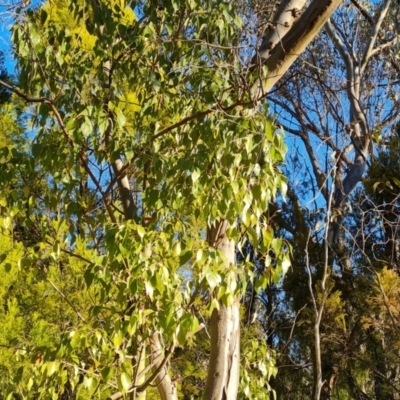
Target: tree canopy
point(200, 200)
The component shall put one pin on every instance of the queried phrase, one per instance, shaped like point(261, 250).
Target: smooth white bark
point(284, 54)
point(223, 369)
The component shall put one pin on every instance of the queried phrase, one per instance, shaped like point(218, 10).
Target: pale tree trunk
point(166, 388)
point(223, 370)
point(361, 143)
point(278, 27)
point(225, 353)
point(140, 363)
point(280, 48)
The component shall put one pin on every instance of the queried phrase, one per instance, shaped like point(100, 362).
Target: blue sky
point(5, 40)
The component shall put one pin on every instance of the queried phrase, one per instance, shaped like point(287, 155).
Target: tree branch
point(287, 13)
point(338, 43)
point(363, 11)
point(294, 43)
point(151, 379)
point(51, 105)
point(374, 35)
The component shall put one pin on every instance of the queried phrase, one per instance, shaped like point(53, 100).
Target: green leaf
point(176, 249)
point(88, 276)
point(184, 257)
point(195, 175)
point(188, 325)
point(121, 119)
point(284, 188)
point(253, 237)
point(396, 181)
point(24, 263)
point(249, 144)
point(125, 381)
point(88, 382)
point(52, 367)
point(107, 373)
point(212, 278)
point(285, 264)
point(87, 128)
point(141, 231)
point(118, 339)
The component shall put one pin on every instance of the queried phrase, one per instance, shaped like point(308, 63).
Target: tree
point(158, 141)
point(333, 275)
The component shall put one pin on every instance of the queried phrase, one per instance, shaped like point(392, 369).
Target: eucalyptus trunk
point(224, 365)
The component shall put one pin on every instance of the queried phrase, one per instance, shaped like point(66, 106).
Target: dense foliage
point(137, 143)
point(133, 154)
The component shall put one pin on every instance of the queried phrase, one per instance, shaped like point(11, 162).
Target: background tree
point(324, 294)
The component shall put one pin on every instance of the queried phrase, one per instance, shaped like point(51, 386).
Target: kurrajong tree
point(158, 159)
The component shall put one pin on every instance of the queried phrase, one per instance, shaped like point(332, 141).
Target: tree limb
point(374, 35)
point(294, 43)
point(51, 105)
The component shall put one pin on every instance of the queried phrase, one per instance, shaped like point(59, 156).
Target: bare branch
point(374, 35)
point(341, 49)
point(384, 46)
point(363, 11)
